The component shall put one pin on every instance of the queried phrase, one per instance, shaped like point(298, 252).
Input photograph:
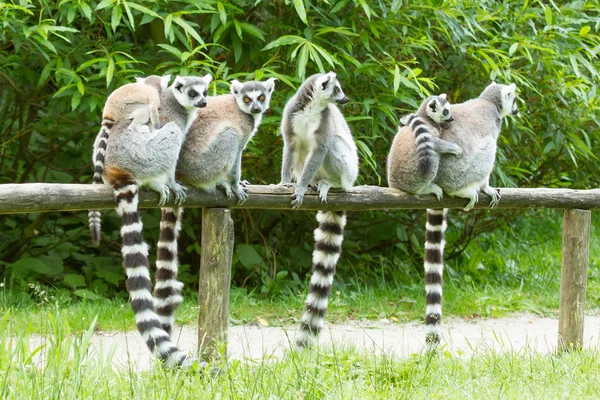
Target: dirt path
point(463, 338)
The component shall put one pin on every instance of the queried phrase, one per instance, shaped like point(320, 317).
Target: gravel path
point(251, 342)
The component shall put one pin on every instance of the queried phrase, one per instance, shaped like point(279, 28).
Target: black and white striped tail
point(434, 270)
point(98, 159)
point(425, 149)
point(328, 247)
point(139, 284)
point(167, 292)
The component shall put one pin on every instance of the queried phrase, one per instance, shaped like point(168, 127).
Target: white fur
point(327, 260)
point(141, 248)
point(330, 238)
point(313, 300)
point(176, 299)
point(434, 309)
point(141, 294)
point(434, 268)
point(169, 283)
point(138, 272)
point(135, 227)
point(321, 280)
point(436, 228)
point(433, 288)
point(323, 216)
point(170, 265)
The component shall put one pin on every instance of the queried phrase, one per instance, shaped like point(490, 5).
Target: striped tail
point(328, 247)
point(139, 284)
point(434, 270)
point(167, 292)
point(425, 148)
point(98, 159)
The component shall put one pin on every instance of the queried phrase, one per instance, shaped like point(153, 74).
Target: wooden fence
point(217, 234)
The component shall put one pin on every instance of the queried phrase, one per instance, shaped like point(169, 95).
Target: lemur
point(318, 149)
point(132, 159)
point(415, 153)
point(475, 129)
point(138, 102)
point(211, 156)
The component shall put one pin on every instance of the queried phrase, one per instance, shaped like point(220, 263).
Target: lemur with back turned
point(133, 158)
point(318, 150)
point(416, 151)
point(475, 130)
point(211, 156)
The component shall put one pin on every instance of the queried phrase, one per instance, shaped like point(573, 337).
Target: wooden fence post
point(575, 259)
point(215, 280)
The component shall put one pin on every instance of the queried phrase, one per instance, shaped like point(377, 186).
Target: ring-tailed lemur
point(211, 156)
point(132, 159)
point(415, 154)
point(318, 149)
point(475, 129)
point(179, 105)
point(137, 101)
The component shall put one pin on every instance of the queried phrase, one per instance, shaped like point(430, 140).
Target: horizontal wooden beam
point(43, 197)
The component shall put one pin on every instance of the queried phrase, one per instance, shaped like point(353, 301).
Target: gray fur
point(475, 129)
point(318, 146)
point(416, 150)
point(212, 152)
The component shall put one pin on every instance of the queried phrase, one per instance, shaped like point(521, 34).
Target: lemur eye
point(192, 93)
point(261, 98)
point(445, 112)
point(246, 99)
point(336, 90)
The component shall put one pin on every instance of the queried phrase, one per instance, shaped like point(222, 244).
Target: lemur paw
point(439, 194)
point(472, 202)
point(165, 194)
point(180, 193)
point(298, 197)
point(144, 129)
point(241, 195)
point(245, 183)
point(228, 191)
point(495, 194)
point(458, 152)
point(287, 184)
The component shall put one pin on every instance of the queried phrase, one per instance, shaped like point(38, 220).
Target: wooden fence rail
point(217, 233)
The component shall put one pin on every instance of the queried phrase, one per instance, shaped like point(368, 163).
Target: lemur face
point(438, 109)
point(253, 97)
point(509, 100)
point(329, 88)
point(191, 91)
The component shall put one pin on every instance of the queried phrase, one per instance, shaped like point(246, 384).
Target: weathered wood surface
point(40, 197)
point(215, 280)
point(575, 259)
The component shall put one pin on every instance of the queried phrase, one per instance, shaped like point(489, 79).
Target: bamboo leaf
point(300, 10)
point(222, 12)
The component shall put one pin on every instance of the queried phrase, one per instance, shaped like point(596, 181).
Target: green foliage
point(59, 61)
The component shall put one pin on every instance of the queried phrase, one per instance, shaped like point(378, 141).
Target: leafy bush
point(59, 61)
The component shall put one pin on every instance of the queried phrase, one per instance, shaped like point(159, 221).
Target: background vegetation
point(59, 61)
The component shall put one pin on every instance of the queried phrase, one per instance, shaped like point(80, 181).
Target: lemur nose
point(255, 110)
point(201, 103)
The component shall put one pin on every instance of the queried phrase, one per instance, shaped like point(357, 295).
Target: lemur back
point(415, 153)
point(138, 102)
point(134, 158)
point(475, 129)
point(211, 156)
point(318, 149)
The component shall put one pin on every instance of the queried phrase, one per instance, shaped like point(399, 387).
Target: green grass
point(513, 270)
point(519, 272)
point(66, 368)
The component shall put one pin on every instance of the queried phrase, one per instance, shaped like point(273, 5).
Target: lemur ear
point(164, 81)
point(443, 96)
point(325, 83)
point(236, 87)
point(433, 104)
point(207, 79)
point(179, 83)
point(270, 84)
